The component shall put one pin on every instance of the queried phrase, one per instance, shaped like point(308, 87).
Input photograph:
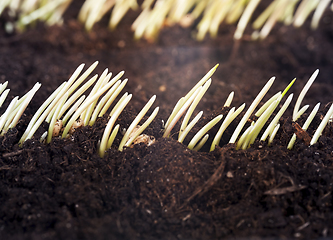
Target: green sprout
point(84, 111)
point(229, 99)
point(126, 141)
point(48, 105)
point(185, 102)
point(142, 127)
point(202, 132)
point(297, 113)
point(322, 125)
point(15, 109)
point(305, 125)
point(154, 15)
point(273, 134)
point(69, 100)
point(189, 127)
point(272, 126)
point(232, 114)
point(108, 138)
point(67, 108)
point(3, 92)
point(195, 102)
point(250, 110)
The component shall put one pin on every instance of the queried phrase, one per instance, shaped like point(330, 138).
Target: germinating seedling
point(322, 125)
point(305, 125)
point(157, 14)
point(203, 131)
point(296, 113)
point(107, 139)
point(192, 98)
point(69, 107)
point(251, 109)
point(136, 122)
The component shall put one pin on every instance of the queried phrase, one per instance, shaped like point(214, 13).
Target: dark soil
point(64, 190)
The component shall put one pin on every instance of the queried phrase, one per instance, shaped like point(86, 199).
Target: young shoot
point(302, 94)
point(229, 99)
point(243, 139)
point(278, 96)
point(232, 114)
point(84, 107)
point(48, 105)
point(103, 79)
point(3, 94)
point(273, 134)
point(322, 5)
point(180, 113)
point(203, 131)
point(189, 127)
point(201, 143)
point(279, 11)
point(73, 109)
point(193, 106)
point(136, 121)
point(4, 116)
point(245, 18)
point(322, 125)
point(142, 128)
point(303, 11)
point(20, 108)
point(267, 104)
point(55, 118)
point(74, 97)
point(107, 140)
point(112, 97)
point(305, 125)
point(251, 109)
point(261, 122)
point(271, 127)
point(183, 100)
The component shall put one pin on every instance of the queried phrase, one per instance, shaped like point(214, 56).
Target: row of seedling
point(157, 14)
point(68, 108)
point(186, 105)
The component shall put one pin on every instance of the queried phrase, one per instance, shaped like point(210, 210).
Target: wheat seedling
point(194, 104)
point(3, 92)
point(259, 124)
point(20, 107)
point(180, 109)
point(136, 122)
point(85, 105)
point(305, 125)
point(229, 99)
point(203, 131)
point(272, 126)
point(48, 106)
point(273, 134)
point(157, 14)
point(4, 116)
point(250, 110)
point(189, 127)
point(136, 134)
point(232, 114)
point(296, 113)
point(107, 139)
point(14, 111)
point(322, 5)
point(322, 125)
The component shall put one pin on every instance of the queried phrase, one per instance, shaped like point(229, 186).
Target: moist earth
point(64, 190)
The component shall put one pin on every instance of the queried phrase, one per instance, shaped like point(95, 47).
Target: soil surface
point(64, 190)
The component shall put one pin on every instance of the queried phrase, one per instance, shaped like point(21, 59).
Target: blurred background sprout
point(154, 15)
